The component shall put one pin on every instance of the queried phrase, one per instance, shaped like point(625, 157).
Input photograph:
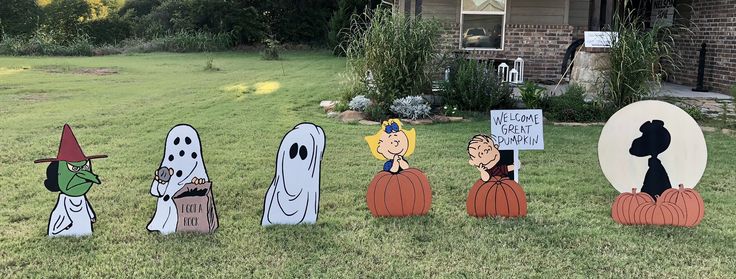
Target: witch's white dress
point(72, 216)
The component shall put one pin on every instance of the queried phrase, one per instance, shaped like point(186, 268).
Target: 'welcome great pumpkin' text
point(518, 129)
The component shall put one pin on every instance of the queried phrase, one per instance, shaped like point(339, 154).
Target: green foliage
point(209, 66)
point(18, 17)
point(694, 112)
point(376, 113)
point(108, 31)
point(474, 86)
point(64, 19)
point(339, 34)
point(571, 106)
point(41, 43)
point(398, 50)
point(180, 42)
point(271, 49)
point(532, 94)
point(637, 59)
point(733, 91)
point(341, 106)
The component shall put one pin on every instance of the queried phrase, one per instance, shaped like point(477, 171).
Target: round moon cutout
point(652, 146)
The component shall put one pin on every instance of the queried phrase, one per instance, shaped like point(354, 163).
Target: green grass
point(568, 233)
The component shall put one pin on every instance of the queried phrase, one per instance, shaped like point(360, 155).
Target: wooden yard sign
point(654, 154)
point(518, 130)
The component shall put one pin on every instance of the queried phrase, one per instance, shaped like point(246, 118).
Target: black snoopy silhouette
point(654, 140)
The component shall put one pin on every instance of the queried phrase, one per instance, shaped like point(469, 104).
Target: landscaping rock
point(368, 122)
point(332, 114)
point(350, 116)
point(328, 106)
point(418, 121)
point(455, 118)
point(440, 119)
point(707, 129)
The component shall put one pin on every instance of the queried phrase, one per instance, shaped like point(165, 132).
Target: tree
point(18, 17)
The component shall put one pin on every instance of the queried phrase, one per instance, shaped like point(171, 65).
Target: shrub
point(474, 86)
point(572, 107)
point(637, 57)
point(40, 43)
point(733, 91)
point(106, 31)
point(179, 42)
point(359, 103)
point(399, 51)
point(271, 50)
point(693, 111)
point(375, 112)
point(532, 94)
point(412, 107)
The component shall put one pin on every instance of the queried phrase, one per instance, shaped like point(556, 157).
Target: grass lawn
point(241, 113)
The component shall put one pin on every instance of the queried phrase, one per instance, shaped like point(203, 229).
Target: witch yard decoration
point(654, 154)
point(397, 190)
point(185, 202)
point(494, 194)
point(70, 173)
point(293, 197)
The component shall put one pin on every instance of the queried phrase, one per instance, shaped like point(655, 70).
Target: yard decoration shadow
point(70, 173)
point(293, 197)
point(185, 202)
point(397, 190)
point(494, 194)
point(677, 153)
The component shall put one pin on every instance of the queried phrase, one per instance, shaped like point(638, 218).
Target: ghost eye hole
point(293, 150)
point(303, 152)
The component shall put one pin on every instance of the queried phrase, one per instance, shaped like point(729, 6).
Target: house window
point(482, 24)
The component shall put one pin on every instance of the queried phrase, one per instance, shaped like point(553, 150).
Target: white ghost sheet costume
point(72, 216)
point(183, 154)
point(293, 197)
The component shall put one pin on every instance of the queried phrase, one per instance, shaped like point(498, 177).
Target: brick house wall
point(541, 46)
point(712, 22)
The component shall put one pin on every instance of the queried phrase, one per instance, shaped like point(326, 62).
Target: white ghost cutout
point(293, 197)
point(183, 154)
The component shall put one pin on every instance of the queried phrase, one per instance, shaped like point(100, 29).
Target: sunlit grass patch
point(267, 87)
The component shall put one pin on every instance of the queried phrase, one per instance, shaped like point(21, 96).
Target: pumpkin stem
point(682, 187)
point(656, 197)
point(633, 190)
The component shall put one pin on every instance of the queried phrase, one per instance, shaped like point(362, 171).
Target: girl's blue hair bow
point(392, 128)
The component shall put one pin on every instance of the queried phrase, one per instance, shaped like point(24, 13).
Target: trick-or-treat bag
point(195, 205)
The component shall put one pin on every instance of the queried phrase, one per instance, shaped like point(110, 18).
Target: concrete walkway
point(681, 91)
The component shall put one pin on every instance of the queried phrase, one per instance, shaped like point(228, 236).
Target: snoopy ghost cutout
point(293, 197)
point(397, 190)
point(185, 202)
point(70, 173)
point(654, 154)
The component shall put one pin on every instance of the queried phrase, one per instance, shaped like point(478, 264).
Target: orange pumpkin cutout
point(689, 201)
point(497, 197)
point(625, 204)
point(406, 193)
point(659, 213)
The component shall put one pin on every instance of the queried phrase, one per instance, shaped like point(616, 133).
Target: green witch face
point(76, 178)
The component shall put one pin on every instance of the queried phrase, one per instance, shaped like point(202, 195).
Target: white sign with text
point(599, 39)
point(520, 129)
